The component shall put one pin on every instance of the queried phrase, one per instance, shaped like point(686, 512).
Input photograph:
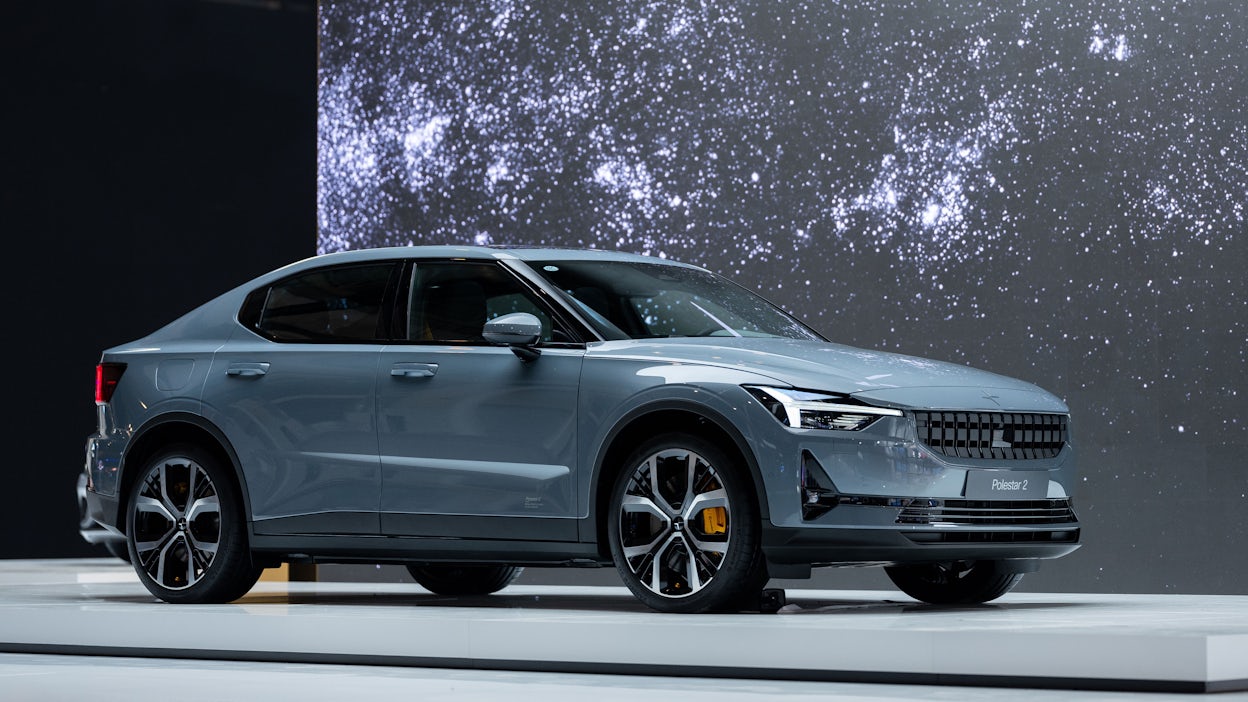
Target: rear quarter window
point(339, 304)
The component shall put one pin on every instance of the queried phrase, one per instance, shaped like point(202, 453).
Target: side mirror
point(520, 330)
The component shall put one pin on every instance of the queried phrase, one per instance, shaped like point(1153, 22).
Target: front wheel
point(186, 530)
point(958, 582)
point(684, 527)
point(455, 580)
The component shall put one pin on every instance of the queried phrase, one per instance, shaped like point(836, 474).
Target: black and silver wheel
point(960, 582)
point(186, 529)
point(684, 527)
point(118, 549)
point(454, 580)
point(85, 522)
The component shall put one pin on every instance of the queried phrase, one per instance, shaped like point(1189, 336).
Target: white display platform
point(1176, 643)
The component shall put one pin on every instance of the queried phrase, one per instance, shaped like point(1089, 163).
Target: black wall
point(155, 153)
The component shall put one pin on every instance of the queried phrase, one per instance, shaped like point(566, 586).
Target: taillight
point(106, 377)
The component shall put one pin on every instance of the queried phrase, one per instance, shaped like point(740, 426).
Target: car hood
point(888, 378)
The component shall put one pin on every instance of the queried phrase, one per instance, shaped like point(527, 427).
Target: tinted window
point(330, 304)
point(450, 301)
point(626, 299)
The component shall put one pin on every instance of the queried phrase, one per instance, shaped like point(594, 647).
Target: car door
point(296, 397)
point(474, 441)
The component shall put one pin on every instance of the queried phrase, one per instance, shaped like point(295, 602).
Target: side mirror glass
point(518, 329)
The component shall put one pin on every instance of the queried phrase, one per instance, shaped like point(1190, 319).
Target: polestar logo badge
point(993, 398)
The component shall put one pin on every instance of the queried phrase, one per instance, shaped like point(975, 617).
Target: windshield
point(632, 300)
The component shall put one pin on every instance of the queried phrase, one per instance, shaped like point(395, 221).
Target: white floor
point(315, 641)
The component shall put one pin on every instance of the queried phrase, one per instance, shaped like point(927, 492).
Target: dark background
point(155, 153)
point(159, 153)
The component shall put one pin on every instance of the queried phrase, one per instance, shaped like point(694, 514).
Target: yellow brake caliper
point(714, 520)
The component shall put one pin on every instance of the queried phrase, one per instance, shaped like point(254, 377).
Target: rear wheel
point(684, 527)
point(455, 580)
point(85, 521)
point(186, 531)
point(118, 549)
point(958, 582)
point(88, 528)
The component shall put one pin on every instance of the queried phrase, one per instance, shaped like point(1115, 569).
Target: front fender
point(617, 393)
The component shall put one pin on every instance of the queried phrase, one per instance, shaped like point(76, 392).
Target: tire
point(683, 527)
point(118, 549)
point(975, 582)
point(85, 521)
point(87, 527)
point(455, 580)
point(186, 531)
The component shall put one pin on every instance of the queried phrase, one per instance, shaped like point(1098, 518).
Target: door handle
point(414, 370)
point(247, 370)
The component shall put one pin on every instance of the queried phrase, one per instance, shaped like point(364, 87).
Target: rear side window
point(339, 304)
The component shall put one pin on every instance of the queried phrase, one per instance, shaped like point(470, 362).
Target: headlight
point(804, 409)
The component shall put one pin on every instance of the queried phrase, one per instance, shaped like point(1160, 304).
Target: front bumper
point(881, 496)
point(877, 539)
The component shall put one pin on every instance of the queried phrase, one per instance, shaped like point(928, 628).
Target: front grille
point(1005, 513)
point(1006, 435)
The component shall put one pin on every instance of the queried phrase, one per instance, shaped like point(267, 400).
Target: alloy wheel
point(177, 523)
point(675, 523)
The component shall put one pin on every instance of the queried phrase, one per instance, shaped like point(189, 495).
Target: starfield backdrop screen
point(1048, 190)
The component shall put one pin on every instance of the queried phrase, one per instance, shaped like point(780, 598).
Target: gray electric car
point(471, 411)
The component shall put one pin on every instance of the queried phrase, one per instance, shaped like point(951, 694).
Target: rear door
point(296, 399)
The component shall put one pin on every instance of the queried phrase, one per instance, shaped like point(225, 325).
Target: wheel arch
point(172, 428)
point(660, 418)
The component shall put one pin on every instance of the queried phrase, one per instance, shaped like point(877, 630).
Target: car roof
point(523, 253)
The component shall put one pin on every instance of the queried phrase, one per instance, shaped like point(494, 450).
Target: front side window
point(633, 300)
point(450, 302)
point(343, 303)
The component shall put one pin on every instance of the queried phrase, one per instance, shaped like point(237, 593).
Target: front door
point(475, 442)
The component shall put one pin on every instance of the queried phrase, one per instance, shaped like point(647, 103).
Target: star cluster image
point(1054, 192)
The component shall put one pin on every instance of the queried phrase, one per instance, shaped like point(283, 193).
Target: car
point(471, 411)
